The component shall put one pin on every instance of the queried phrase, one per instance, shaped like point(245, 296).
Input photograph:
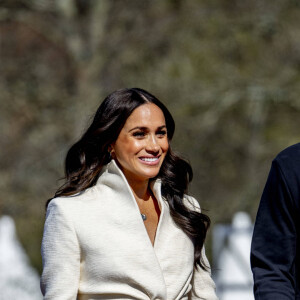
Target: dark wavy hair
point(86, 158)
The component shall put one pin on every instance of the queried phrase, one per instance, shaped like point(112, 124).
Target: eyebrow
point(146, 128)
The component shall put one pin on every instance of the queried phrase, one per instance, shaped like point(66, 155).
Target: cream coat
point(95, 246)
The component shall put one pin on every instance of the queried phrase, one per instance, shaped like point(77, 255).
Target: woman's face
point(142, 143)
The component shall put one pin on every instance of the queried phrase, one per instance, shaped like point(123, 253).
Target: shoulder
point(290, 153)
point(66, 206)
point(60, 207)
point(73, 201)
point(285, 172)
point(60, 203)
point(191, 203)
point(288, 160)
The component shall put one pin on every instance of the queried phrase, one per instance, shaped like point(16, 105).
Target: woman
point(121, 226)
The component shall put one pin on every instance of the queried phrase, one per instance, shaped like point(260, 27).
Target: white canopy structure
point(231, 250)
point(18, 280)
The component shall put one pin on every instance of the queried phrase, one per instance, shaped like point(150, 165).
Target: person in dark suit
point(275, 251)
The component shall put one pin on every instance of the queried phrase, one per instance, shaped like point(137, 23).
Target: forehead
point(146, 115)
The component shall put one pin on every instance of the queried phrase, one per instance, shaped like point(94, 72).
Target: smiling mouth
point(150, 160)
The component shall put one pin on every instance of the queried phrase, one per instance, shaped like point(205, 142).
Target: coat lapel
point(113, 178)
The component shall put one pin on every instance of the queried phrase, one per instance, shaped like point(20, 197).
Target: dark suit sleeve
point(273, 249)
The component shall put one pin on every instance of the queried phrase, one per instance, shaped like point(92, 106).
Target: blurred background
point(227, 70)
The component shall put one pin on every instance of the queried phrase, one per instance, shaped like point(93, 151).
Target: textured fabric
point(95, 246)
point(275, 252)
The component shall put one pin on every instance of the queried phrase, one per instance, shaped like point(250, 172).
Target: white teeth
point(149, 159)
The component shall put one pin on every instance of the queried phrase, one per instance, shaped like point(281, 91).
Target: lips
point(149, 160)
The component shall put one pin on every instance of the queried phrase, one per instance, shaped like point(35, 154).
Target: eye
point(139, 134)
point(161, 132)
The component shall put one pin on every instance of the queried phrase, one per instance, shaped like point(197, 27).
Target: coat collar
point(113, 177)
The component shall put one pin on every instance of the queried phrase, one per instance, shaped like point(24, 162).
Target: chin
point(152, 175)
point(149, 175)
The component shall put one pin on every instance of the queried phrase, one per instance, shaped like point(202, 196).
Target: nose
point(152, 145)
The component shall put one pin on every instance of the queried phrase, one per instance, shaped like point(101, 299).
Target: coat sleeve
point(203, 287)
point(60, 254)
point(273, 249)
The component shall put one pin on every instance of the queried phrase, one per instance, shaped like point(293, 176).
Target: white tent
point(231, 250)
point(18, 280)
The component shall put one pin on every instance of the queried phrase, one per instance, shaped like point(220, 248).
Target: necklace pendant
point(144, 217)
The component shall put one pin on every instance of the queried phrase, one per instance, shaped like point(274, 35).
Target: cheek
point(126, 147)
point(136, 146)
point(133, 147)
point(165, 145)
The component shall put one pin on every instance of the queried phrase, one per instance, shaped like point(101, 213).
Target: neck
point(140, 189)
